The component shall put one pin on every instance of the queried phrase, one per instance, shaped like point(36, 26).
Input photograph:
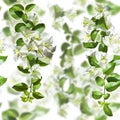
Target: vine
point(30, 47)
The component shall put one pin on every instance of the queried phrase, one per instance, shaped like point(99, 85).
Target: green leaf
point(66, 28)
point(64, 46)
point(96, 94)
point(111, 86)
point(25, 17)
point(2, 59)
point(31, 59)
point(112, 8)
point(20, 27)
point(93, 34)
point(107, 110)
point(18, 7)
point(106, 96)
point(40, 27)
point(25, 116)
point(101, 1)
point(58, 12)
point(10, 114)
point(84, 108)
point(37, 95)
point(6, 31)
point(116, 59)
point(93, 61)
point(36, 83)
point(114, 77)
point(84, 64)
point(103, 48)
point(20, 87)
point(41, 110)
point(20, 42)
point(15, 14)
point(6, 15)
point(41, 63)
point(75, 37)
point(2, 80)
point(115, 105)
point(78, 49)
point(109, 68)
point(29, 24)
point(99, 81)
point(101, 23)
point(87, 89)
point(29, 7)
point(90, 44)
point(62, 98)
point(16, 11)
point(9, 2)
point(62, 81)
point(90, 9)
point(24, 70)
point(100, 117)
point(70, 72)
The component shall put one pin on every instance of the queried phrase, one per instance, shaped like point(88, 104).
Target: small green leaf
point(87, 89)
point(16, 11)
point(116, 59)
point(111, 86)
point(37, 95)
point(36, 83)
point(109, 68)
point(62, 98)
point(101, 23)
point(96, 94)
point(31, 59)
point(29, 7)
point(26, 116)
point(2, 59)
point(94, 34)
point(99, 81)
point(20, 42)
point(112, 8)
point(15, 14)
point(2, 80)
point(6, 31)
point(78, 49)
point(20, 87)
point(24, 70)
point(41, 63)
point(25, 17)
point(107, 110)
point(18, 7)
point(66, 28)
point(101, 1)
point(84, 64)
point(64, 46)
point(90, 44)
point(70, 72)
point(93, 61)
point(114, 77)
point(62, 81)
point(84, 108)
point(10, 114)
point(90, 9)
point(29, 24)
point(9, 2)
point(58, 12)
point(103, 48)
point(106, 96)
point(20, 27)
point(40, 27)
